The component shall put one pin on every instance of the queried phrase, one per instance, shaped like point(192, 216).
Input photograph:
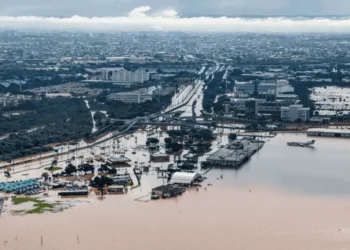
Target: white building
point(295, 112)
point(54, 95)
point(138, 96)
point(184, 178)
point(250, 87)
point(122, 75)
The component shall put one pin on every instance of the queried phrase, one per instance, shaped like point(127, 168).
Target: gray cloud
point(144, 19)
point(89, 8)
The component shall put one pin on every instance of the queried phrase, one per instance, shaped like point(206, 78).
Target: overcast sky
point(89, 8)
point(176, 15)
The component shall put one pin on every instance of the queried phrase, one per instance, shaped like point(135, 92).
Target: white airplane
point(302, 144)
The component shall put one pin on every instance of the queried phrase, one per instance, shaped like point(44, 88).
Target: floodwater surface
point(283, 198)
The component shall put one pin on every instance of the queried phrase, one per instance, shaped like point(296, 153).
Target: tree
point(206, 135)
point(86, 168)
point(174, 146)
point(112, 171)
point(232, 137)
point(168, 140)
point(153, 140)
point(71, 169)
point(102, 181)
point(45, 175)
point(237, 72)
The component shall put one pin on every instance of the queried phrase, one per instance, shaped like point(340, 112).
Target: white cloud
point(141, 19)
point(139, 12)
point(167, 13)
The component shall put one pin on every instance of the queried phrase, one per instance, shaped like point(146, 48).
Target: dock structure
point(235, 153)
point(329, 132)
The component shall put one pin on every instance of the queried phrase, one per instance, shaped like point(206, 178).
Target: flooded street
point(283, 198)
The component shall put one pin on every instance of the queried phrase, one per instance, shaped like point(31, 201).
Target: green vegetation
point(38, 78)
point(57, 120)
point(98, 117)
point(20, 200)
point(232, 137)
point(39, 205)
point(53, 169)
point(102, 181)
point(40, 208)
point(45, 112)
point(70, 169)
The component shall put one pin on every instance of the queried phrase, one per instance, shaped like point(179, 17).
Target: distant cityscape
point(102, 110)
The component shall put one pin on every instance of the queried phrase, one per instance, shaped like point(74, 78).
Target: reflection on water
point(322, 170)
point(283, 198)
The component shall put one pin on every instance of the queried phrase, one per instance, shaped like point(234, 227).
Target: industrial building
point(256, 88)
point(54, 95)
point(168, 190)
point(159, 157)
point(115, 161)
point(294, 113)
point(139, 96)
point(123, 75)
point(184, 178)
point(235, 153)
point(249, 106)
point(329, 132)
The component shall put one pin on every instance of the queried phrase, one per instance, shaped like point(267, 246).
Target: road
point(66, 150)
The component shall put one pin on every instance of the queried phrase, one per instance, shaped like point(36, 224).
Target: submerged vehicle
point(302, 144)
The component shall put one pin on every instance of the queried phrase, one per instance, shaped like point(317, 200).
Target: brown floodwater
point(283, 198)
point(219, 218)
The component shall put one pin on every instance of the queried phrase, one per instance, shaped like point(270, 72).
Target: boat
point(301, 144)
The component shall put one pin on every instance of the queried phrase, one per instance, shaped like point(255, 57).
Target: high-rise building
point(251, 108)
point(255, 89)
point(122, 75)
point(294, 113)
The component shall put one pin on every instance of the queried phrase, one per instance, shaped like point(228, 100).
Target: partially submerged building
point(184, 178)
point(159, 157)
point(168, 190)
point(117, 161)
point(235, 154)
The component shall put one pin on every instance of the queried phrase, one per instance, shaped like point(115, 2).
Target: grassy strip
point(20, 200)
point(39, 205)
point(40, 208)
point(53, 169)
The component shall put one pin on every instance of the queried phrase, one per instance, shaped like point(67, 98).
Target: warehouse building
point(159, 157)
point(184, 178)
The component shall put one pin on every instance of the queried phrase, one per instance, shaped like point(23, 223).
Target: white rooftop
point(329, 130)
point(183, 178)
